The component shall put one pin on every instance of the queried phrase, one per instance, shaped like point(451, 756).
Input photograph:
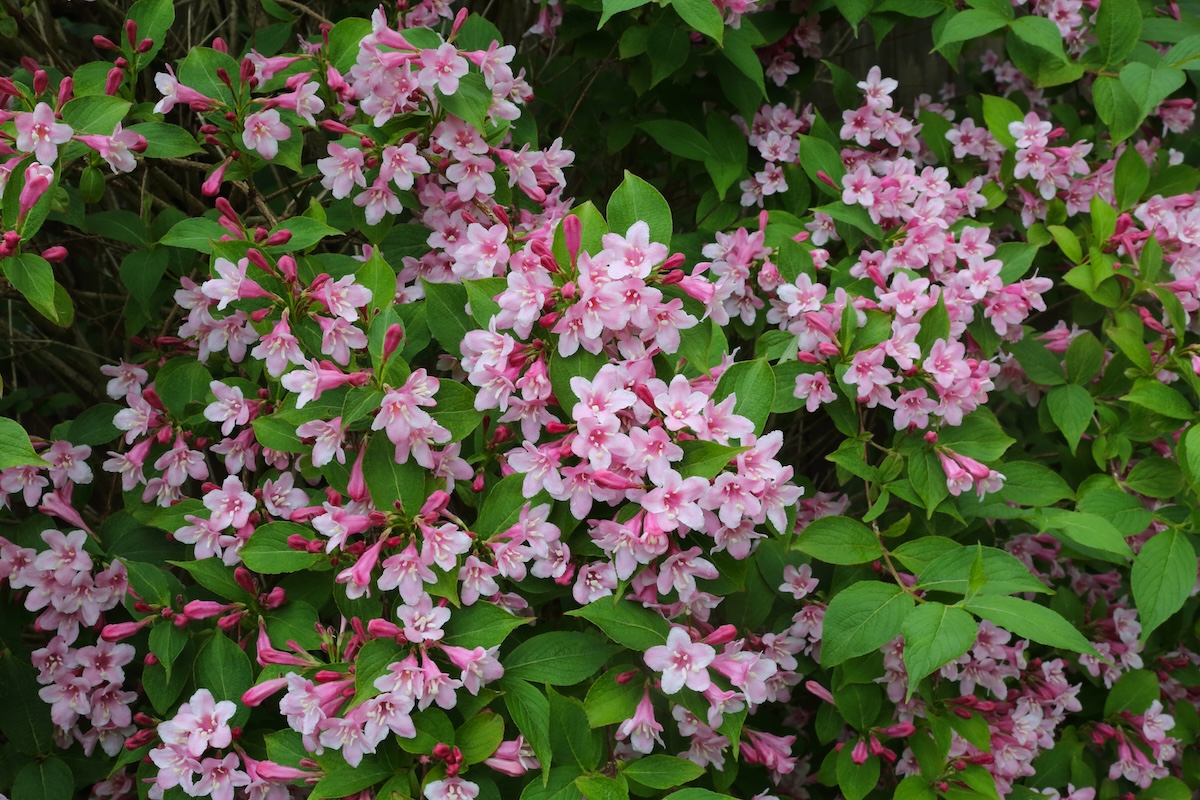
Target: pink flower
point(329, 438)
point(264, 131)
point(422, 621)
point(442, 68)
point(230, 505)
point(218, 778)
point(681, 661)
point(343, 169)
point(642, 730)
point(451, 788)
point(40, 133)
point(117, 149)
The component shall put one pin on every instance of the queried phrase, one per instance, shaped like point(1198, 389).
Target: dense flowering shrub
point(424, 479)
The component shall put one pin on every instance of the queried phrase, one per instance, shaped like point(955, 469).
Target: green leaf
point(610, 7)
point(635, 200)
point(739, 50)
point(1039, 32)
point(530, 712)
point(267, 550)
point(559, 785)
point(1005, 573)
point(224, 669)
point(600, 787)
point(142, 271)
point(572, 739)
point(1039, 364)
point(856, 780)
point(154, 18)
point(935, 635)
point(753, 384)
point(95, 113)
point(1017, 258)
point(1116, 108)
point(346, 781)
point(1031, 621)
point(1071, 407)
point(1163, 576)
point(998, 113)
point(609, 702)
point(1085, 358)
point(33, 277)
point(164, 140)
point(560, 658)
point(1133, 692)
point(306, 232)
point(1151, 85)
point(447, 314)
point(1160, 398)
point(839, 540)
point(15, 447)
point(502, 508)
point(866, 615)
point(979, 436)
point(470, 101)
point(213, 574)
point(1089, 531)
point(25, 722)
point(970, 24)
point(1131, 178)
point(182, 381)
point(705, 459)
point(1118, 28)
point(662, 772)
point(344, 40)
point(1190, 447)
point(678, 138)
point(479, 737)
point(625, 622)
point(277, 433)
point(1155, 477)
point(44, 780)
point(389, 481)
point(194, 233)
point(480, 625)
point(455, 410)
point(1031, 484)
point(701, 15)
point(818, 155)
point(166, 643)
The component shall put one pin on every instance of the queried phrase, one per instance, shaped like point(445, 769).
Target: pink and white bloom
point(682, 662)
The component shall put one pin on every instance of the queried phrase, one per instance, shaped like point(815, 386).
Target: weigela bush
point(426, 479)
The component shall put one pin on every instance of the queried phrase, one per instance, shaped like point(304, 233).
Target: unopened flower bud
point(55, 254)
point(103, 43)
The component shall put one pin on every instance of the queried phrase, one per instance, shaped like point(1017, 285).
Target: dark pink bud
point(572, 236)
point(287, 268)
point(66, 90)
point(298, 542)
point(859, 754)
point(204, 609)
point(673, 261)
point(220, 46)
point(722, 635)
point(477, 484)
point(278, 238)
point(672, 277)
point(255, 695)
point(357, 488)
point(55, 254)
point(260, 314)
point(245, 580)
point(259, 260)
point(825, 179)
point(212, 183)
point(333, 126)
point(383, 629)
point(123, 630)
point(275, 598)
point(41, 81)
point(392, 339)
point(625, 677)
point(131, 32)
point(145, 45)
point(103, 43)
point(223, 75)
